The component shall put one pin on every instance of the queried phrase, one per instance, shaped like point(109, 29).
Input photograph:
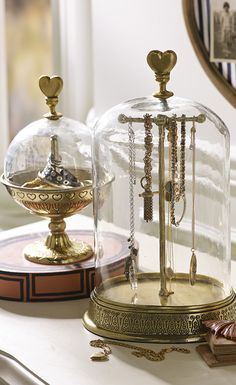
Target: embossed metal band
point(160, 325)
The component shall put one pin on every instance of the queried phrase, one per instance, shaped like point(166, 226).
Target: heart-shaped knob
point(50, 86)
point(162, 62)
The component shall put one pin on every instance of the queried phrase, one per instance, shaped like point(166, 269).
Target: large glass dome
point(161, 178)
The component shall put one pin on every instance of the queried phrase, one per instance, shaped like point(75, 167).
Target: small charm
point(169, 272)
point(193, 268)
point(168, 191)
point(54, 173)
point(99, 356)
point(133, 271)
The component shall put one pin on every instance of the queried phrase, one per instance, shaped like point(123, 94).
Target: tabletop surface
point(50, 339)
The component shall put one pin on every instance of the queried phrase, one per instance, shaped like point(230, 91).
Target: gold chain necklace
point(146, 181)
point(149, 354)
point(177, 174)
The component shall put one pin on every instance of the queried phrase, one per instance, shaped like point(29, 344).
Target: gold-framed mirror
point(211, 25)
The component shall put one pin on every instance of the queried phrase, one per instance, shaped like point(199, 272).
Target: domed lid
point(162, 102)
point(51, 152)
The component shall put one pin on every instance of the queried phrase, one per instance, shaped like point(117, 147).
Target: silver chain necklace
point(130, 265)
point(193, 261)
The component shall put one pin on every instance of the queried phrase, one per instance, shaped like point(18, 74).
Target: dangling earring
point(131, 263)
point(193, 261)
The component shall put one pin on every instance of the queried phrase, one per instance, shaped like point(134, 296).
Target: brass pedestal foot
point(58, 248)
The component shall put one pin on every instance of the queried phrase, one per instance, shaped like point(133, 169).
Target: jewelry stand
point(164, 306)
point(53, 191)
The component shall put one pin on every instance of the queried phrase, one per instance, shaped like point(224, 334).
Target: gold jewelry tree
point(176, 153)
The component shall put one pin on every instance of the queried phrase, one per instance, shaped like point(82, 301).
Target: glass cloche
point(47, 170)
point(161, 178)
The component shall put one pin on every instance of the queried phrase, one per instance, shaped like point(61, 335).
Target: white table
point(50, 339)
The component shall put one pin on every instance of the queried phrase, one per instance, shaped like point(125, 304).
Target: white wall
point(75, 56)
point(124, 32)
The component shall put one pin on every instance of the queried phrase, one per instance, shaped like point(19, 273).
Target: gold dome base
point(173, 321)
point(38, 252)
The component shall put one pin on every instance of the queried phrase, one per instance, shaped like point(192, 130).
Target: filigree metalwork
point(175, 325)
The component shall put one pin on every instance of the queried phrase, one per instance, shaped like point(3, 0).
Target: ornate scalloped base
point(152, 323)
point(38, 252)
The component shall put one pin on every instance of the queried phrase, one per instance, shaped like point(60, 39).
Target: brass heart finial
point(162, 63)
point(51, 88)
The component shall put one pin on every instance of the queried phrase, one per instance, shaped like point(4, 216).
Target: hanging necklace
point(131, 264)
point(193, 261)
point(174, 160)
point(168, 196)
point(177, 185)
point(170, 254)
point(182, 158)
point(146, 181)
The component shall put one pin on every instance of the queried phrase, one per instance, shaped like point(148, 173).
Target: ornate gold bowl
point(56, 204)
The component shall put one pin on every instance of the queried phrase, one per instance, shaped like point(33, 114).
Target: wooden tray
point(21, 280)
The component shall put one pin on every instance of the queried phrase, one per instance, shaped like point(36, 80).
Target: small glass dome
point(161, 178)
point(30, 150)
point(48, 171)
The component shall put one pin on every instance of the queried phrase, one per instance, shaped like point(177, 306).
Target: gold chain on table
point(149, 354)
point(146, 181)
point(130, 264)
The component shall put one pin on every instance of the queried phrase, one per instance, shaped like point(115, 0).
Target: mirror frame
point(210, 68)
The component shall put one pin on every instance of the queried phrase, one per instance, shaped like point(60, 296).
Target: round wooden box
point(21, 280)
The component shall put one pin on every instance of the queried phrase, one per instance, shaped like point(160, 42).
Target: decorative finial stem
point(162, 63)
point(51, 88)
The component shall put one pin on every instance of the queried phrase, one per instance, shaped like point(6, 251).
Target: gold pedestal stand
point(56, 205)
point(53, 192)
point(58, 248)
point(147, 317)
